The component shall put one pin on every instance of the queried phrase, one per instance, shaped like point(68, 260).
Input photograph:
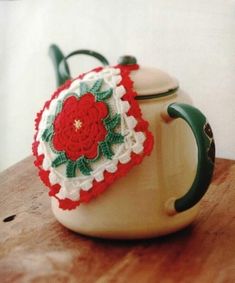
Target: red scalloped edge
point(123, 169)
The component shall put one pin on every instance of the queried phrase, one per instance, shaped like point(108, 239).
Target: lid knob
point(127, 60)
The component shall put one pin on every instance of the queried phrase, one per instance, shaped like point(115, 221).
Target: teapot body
point(134, 205)
point(91, 134)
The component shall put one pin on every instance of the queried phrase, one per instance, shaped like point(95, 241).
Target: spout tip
point(55, 51)
point(57, 57)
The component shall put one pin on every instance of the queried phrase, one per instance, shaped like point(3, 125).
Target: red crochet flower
point(79, 128)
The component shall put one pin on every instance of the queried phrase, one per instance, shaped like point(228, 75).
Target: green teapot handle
point(61, 66)
point(206, 155)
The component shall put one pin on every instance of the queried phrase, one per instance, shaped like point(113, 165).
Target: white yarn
point(133, 141)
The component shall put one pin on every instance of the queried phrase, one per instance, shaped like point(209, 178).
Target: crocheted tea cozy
point(90, 133)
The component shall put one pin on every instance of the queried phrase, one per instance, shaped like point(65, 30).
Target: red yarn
point(122, 169)
point(78, 128)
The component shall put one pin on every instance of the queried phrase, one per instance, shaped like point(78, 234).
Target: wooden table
point(36, 248)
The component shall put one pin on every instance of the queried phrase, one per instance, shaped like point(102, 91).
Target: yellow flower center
point(77, 124)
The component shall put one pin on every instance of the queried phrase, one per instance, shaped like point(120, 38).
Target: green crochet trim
point(95, 90)
point(112, 122)
point(104, 147)
point(80, 164)
point(100, 96)
point(71, 169)
point(59, 160)
point(72, 166)
point(83, 166)
point(114, 138)
point(58, 108)
point(47, 134)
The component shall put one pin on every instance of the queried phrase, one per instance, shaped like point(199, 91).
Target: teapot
point(159, 195)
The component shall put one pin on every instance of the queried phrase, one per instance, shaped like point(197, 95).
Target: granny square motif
point(90, 133)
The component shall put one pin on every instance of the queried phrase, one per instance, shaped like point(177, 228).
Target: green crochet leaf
point(83, 88)
point(83, 166)
point(115, 138)
point(58, 107)
point(100, 96)
point(106, 149)
point(47, 134)
point(111, 123)
point(60, 159)
point(71, 169)
point(96, 86)
point(50, 119)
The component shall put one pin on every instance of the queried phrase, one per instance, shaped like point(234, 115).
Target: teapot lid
point(149, 81)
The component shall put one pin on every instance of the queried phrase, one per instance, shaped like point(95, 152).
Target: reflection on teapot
point(124, 153)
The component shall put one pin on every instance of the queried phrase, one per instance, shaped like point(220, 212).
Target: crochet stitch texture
point(90, 133)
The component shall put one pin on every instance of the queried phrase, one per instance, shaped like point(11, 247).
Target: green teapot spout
point(57, 58)
point(61, 66)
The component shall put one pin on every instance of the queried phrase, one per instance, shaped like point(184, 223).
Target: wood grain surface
point(34, 247)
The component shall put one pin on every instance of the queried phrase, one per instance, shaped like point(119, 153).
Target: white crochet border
point(133, 141)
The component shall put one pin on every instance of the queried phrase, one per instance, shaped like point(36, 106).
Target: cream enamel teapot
point(160, 194)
